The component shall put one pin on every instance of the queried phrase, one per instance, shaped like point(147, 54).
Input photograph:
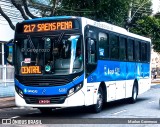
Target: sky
point(6, 33)
point(155, 6)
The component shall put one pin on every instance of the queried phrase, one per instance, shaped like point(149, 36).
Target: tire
point(96, 108)
point(45, 110)
point(133, 99)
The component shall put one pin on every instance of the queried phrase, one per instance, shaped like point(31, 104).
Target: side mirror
point(8, 48)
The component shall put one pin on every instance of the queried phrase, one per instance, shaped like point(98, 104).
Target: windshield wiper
point(60, 37)
point(31, 43)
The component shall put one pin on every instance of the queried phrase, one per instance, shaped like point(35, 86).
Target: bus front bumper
point(77, 99)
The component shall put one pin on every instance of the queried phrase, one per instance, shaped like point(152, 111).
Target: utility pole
point(130, 15)
point(129, 18)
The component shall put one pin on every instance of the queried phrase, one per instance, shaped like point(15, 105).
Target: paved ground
point(7, 102)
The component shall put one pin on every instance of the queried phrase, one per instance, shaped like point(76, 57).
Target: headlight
point(19, 91)
point(71, 91)
point(74, 89)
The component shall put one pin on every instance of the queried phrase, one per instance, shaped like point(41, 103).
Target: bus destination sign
point(47, 26)
point(31, 70)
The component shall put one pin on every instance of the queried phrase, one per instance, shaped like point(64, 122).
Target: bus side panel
point(88, 90)
point(113, 73)
point(144, 78)
point(130, 77)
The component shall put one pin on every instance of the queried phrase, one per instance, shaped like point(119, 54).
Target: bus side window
point(144, 51)
point(114, 46)
point(122, 48)
point(148, 52)
point(130, 50)
point(137, 54)
point(103, 46)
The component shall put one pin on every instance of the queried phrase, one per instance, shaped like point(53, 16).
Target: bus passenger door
point(91, 56)
point(90, 65)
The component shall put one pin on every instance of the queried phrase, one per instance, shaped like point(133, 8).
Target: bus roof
point(113, 28)
point(87, 21)
point(49, 18)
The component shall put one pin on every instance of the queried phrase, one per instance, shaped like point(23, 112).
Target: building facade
point(155, 62)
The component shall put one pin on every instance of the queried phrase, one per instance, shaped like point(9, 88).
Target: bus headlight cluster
point(74, 89)
point(19, 91)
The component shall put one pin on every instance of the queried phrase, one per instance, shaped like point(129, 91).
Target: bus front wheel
point(98, 106)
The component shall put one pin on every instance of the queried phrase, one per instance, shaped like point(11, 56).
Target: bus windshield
point(59, 55)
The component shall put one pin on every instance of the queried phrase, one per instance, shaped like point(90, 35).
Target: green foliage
point(116, 12)
point(149, 26)
point(113, 11)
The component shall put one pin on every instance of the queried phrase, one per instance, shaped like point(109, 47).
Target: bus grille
point(42, 81)
point(53, 100)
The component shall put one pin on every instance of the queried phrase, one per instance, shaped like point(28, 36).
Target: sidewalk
point(157, 81)
point(7, 90)
point(7, 102)
point(7, 95)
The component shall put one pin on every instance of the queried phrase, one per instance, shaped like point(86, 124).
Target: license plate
point(30, 70)
point(44, 101)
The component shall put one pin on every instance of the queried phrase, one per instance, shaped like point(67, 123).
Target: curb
point(158, 82)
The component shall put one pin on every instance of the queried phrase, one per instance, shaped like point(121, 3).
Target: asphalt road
point(118, 112)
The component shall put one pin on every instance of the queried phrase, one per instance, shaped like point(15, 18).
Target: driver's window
point(91, 51)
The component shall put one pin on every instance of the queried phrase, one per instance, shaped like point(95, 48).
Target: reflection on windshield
point(49, 55)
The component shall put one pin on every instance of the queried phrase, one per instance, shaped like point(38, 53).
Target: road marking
point(151, 102)
point(33, 113)
point(32, 108)
point(14, 117)
point(119, 112)
point(16, 108)
point(19, 108)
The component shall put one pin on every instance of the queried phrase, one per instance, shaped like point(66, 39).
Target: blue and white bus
point(68, 61)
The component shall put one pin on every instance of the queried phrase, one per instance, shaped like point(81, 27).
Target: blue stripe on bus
point(48, 18)
point(53, 90)
point(116, 71)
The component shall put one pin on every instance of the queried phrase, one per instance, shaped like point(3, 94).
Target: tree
point(112, 11)
point(149, 26)
point(137, 10)
point(144, 24)
point(25, 13)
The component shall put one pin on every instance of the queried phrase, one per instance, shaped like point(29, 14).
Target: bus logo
point(44, 91)
point(62, 90)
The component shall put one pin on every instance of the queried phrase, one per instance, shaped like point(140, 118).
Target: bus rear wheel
point(98, 106)
point(133, 99)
